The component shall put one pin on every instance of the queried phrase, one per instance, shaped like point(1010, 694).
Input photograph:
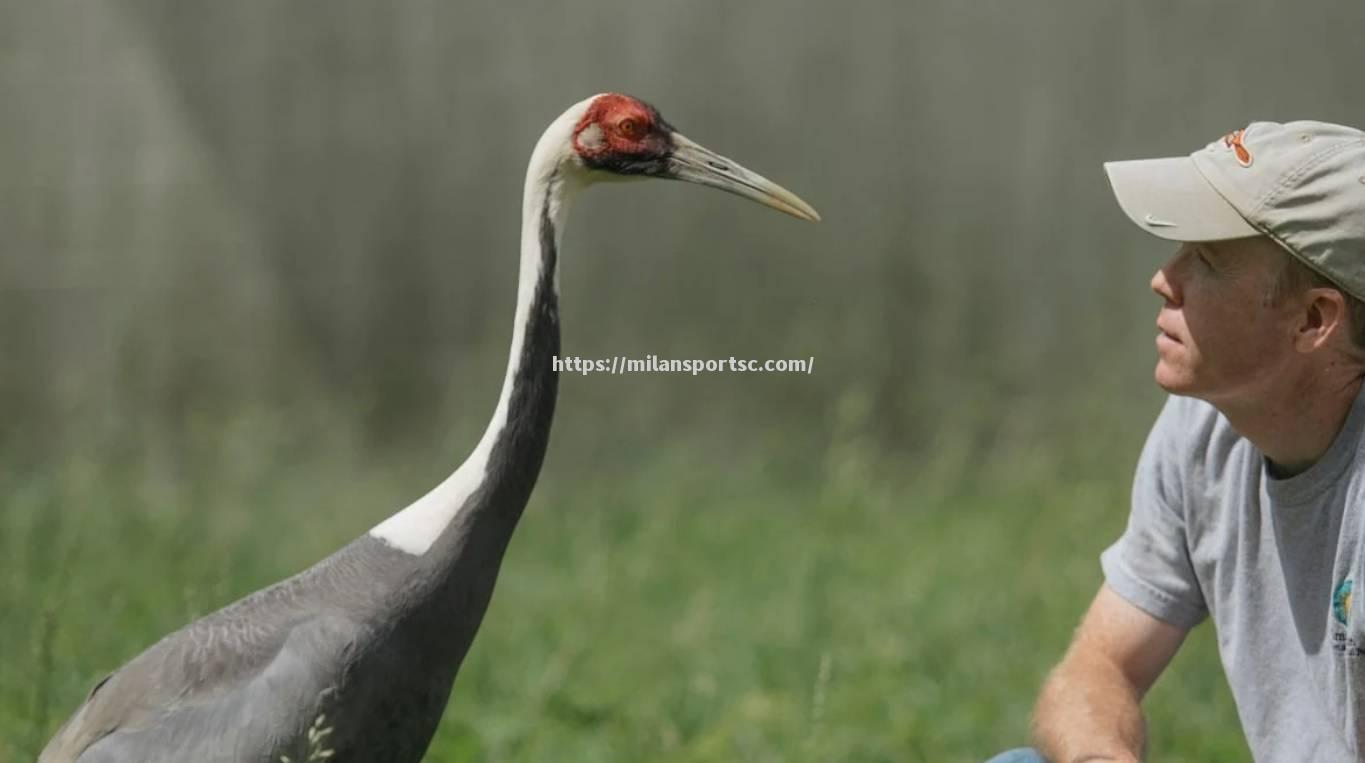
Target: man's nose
point(1165, 281)
point(1161, 285)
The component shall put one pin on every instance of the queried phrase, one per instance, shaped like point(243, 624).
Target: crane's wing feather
point(256, 670)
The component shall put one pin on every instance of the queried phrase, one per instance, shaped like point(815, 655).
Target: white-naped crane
point(358, 652)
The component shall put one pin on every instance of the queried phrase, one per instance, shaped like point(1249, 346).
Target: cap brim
point(1170, 198)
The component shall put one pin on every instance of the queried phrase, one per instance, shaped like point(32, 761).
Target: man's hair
point(1296, 278)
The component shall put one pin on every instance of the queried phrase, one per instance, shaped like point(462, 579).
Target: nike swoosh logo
point(1156, 223)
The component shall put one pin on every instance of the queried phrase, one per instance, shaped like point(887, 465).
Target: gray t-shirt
point(1272, 560)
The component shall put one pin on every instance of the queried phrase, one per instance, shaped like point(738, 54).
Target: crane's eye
point(630, 129)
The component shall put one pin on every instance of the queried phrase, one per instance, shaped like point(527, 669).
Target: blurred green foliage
point(257, 265)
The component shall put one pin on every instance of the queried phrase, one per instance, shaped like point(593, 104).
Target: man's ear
point(1323, 316)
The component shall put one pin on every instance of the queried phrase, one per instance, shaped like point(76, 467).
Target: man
point(1249, 499)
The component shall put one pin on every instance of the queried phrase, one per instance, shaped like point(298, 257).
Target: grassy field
point(678, 608)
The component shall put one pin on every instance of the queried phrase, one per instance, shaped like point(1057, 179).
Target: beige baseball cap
point(1300, 183)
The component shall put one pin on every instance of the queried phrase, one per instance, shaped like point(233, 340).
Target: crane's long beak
point(698, 164)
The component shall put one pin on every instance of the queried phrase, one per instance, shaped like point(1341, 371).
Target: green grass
point(683, 609)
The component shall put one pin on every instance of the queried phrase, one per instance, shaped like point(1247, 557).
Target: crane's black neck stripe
point(549, 250)
point(515, 459)
point(469, 551)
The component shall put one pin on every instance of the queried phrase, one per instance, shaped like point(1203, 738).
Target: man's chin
point(1172, 380)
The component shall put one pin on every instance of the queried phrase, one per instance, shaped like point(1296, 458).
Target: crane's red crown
point(618, 126)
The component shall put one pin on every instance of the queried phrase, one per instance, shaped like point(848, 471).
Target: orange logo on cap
point(1233, 140)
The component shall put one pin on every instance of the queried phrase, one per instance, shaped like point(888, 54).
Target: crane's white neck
point(552, 178)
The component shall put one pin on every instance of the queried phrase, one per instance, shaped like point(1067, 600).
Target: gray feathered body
point(246, 683)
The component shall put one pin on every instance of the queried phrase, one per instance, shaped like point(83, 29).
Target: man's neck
point(1293, 427)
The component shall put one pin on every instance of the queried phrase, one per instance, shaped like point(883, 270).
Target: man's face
point(1221, 337)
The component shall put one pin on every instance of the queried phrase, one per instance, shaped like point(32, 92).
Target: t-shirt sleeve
point(1150, 565)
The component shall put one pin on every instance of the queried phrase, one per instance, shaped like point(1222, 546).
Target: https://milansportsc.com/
point(653, 364)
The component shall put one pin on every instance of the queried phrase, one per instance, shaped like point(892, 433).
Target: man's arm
point(1089, 708)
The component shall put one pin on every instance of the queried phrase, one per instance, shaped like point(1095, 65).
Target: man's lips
point(1168, 333)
